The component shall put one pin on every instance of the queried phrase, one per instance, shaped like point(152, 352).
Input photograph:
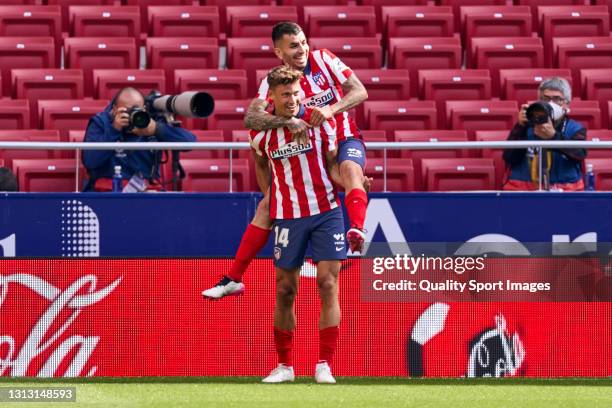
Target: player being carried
point(305, 209)
point(330, 89)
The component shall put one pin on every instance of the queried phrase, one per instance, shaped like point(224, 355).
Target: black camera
point(538, 113)
point(139, 118)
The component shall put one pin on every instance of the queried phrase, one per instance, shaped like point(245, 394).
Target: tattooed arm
point(354, 94)
point(258, 119)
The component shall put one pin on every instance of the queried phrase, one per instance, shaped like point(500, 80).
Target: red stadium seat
point(15, 114)
point(456, 4)
point(534, 4)
point(65, 115)
point(30, 135)
point(571, 21)
point(496, 21)
point(600, 135)
point(32, 21)
point(73, 137)
point(340, 21)
point(458, 174)
point(356, 52)
point(223, 4)
point(107, 82)
point(228, 116)
point(610, 114)
point(24, 52)
point(394, 115)
point(257, 21)
point(376, 136)
point(443, 85)
point(430, 136)
point(481, 115)
point(399, 174)
point(385, 84)
point(146, 3)
point(424, 53)
point(522, 84)
point(251, 54)
point(206, 136)
point(46, 175)
point(104, 21)
point(579, 53)
point(597, 85)
point(89, 53)
point(417, 21)
point(586, 112)
point(495, 154)
point(379, 4)
point(212, 175)
point(603, 173)
point(242, 135)
point(505, 52)
point(182, 53)
point(64, 4)
point(221, 84)
point(183, 21)
point(52, 83)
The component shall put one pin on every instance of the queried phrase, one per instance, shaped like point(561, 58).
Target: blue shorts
point(352, 149)
point(325, 232)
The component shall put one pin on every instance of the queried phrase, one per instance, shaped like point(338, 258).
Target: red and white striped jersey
point(301, 185)
point(321, 86)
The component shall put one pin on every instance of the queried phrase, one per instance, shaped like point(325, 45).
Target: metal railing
point(384, 146)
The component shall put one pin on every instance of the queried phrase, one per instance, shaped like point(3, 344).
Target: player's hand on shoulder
point(320, 115)
point(299, 130)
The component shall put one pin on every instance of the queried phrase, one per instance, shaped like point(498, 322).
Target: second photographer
point(560, 169)
point(126, 120)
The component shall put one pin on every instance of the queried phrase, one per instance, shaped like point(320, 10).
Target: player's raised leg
point(253, 240)
point(351, 159)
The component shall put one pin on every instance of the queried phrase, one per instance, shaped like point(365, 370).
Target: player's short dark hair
point(121, 91)
point(283, 28)
point(8, 181)
point(283, 75)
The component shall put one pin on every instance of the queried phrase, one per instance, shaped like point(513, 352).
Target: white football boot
point(323, 374)
point(280, 374)
point(225, 287)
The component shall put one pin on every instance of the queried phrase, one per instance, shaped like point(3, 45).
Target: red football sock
point(328, 338)
point(356, 202)
point(253, 240)
point(283, 339)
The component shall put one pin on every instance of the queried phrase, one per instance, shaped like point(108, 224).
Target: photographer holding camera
point(128, 118)
point(547, 119)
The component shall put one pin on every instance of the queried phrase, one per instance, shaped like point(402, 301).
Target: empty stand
point(64, 4)
point(228, 116)
point(579, 53)
point(221, 84)
point(183, 21)
point(144, 4)
point(522, 84)
point(356, 52)
point(379, 4)
point(32, 21)
point(433, 136)
point(340, 21)
point(534, 4)
point(505, 52)
point(206, 136)
point(424, 53)
point(496, 21)
point(213, 175)
point(256, 21)
point(495, 154)
point(89, 53)
point(417, 21)
point(443, 85)
point(182, 53)
point(571, 21)
point(223, 4)
point(603, 173)
point(399, 174)
point(385, 84)
point(481, 115)
point(104, 21)
point(600, 135)
point(586, 112)
point(461, 174)
point(394, 115)
point(29, 135)
point(14, 114)
point(51, 83)
point(65, 115)
point(107, 82)
point(45, 175)
point(251, 54)
point(456, 4)
point(375, 136)
point(24, 52)
point(597, 85)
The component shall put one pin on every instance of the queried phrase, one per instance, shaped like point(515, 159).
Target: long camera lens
point(189, 104)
